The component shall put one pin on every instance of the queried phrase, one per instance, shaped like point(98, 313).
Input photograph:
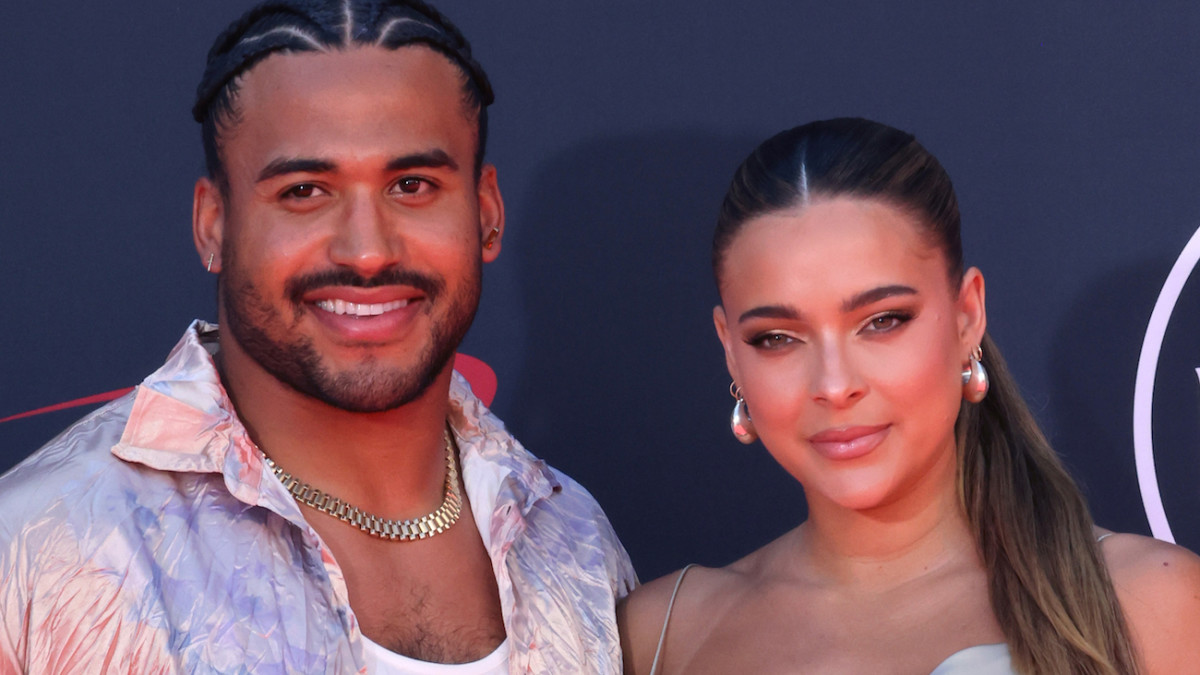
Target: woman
point(943, 535)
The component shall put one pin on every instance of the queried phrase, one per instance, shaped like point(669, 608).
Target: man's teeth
point(360, 309)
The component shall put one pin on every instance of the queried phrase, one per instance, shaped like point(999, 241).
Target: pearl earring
point(975, 377)
point(740, 422)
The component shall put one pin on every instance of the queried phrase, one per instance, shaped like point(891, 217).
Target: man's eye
point(412, 186)
point(301, 191)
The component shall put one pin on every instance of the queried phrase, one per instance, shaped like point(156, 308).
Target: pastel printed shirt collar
point(222, 587)
point(183, 421)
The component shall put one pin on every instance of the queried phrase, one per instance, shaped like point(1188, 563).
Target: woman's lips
point(845, 443)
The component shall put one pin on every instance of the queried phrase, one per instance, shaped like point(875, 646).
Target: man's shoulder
point(571, 495)
point(79, 463)
point(574, 518)
point(60, 474)
point(563, 529)
point(568, 567)
point(564, 497)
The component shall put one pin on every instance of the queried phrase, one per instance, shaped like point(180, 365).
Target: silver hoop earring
point(740, 422)
point(975, 377)
point(208, 268)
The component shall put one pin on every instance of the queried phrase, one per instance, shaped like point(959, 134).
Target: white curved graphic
point(1143, 391)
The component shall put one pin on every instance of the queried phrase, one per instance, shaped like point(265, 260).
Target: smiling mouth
point(360, 308)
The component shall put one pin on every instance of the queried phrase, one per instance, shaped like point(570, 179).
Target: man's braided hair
point(315, 25)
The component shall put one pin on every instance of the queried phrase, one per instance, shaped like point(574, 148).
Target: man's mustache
point(393, 276)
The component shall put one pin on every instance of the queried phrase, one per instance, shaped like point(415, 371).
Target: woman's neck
point(918, 533)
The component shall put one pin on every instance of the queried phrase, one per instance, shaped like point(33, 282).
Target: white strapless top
point(978, 660)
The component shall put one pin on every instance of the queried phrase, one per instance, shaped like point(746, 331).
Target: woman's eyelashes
point(888, 321)
point(771, 340)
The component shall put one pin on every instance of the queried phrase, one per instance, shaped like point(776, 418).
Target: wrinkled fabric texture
point(150, 537)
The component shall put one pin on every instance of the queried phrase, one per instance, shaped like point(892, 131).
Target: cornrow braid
point(316, 25)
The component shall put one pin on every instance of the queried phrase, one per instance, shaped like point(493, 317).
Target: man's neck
point(391, 464)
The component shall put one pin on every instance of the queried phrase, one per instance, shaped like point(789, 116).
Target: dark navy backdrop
point(1071, 134)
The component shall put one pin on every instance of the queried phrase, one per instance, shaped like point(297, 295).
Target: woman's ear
point(972, 310)
point(726, 339)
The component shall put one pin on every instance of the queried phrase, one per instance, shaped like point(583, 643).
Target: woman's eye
point(886, 322)
point(771, 341)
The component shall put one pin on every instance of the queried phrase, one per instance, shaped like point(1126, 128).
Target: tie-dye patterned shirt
point(150, 538)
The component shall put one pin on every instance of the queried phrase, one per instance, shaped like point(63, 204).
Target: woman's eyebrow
point(860, 300)
point(770, 312)
point(875, 295)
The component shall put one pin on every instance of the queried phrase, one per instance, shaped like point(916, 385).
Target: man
point(286, 495)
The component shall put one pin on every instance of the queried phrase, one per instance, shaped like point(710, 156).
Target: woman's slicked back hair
point(843, 157)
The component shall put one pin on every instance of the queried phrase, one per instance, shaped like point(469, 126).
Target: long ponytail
point(1049, 587)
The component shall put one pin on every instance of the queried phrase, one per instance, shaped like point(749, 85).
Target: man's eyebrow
point(285, 165)
point(433, 159)
point(875, 295)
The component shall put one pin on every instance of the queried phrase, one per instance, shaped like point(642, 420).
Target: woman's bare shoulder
point(1158, 585)
point(1145, 565)
point(641, 615)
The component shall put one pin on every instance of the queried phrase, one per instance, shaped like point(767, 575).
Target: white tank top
point(382, 661)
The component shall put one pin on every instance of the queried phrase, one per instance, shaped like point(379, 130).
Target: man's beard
point(262, 332)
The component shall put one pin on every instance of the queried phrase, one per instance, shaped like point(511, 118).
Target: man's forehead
point(414, 86)
point(413, 64)
point(365, 104)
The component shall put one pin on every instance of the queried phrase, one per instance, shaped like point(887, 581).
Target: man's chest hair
point(416, 623)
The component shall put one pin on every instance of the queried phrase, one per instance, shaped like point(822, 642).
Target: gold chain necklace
point(396, 530)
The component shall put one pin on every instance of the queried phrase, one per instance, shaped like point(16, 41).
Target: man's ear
point(719, 322)
point(972, 310)
point(208, 223)
point(491, 213)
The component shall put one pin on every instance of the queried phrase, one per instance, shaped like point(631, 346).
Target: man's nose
point(367, 237)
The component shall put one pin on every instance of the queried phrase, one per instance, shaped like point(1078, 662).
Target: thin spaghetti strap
point(662, 637)
point(1104, 536)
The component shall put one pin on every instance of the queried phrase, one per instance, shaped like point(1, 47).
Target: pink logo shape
point(480, 375)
